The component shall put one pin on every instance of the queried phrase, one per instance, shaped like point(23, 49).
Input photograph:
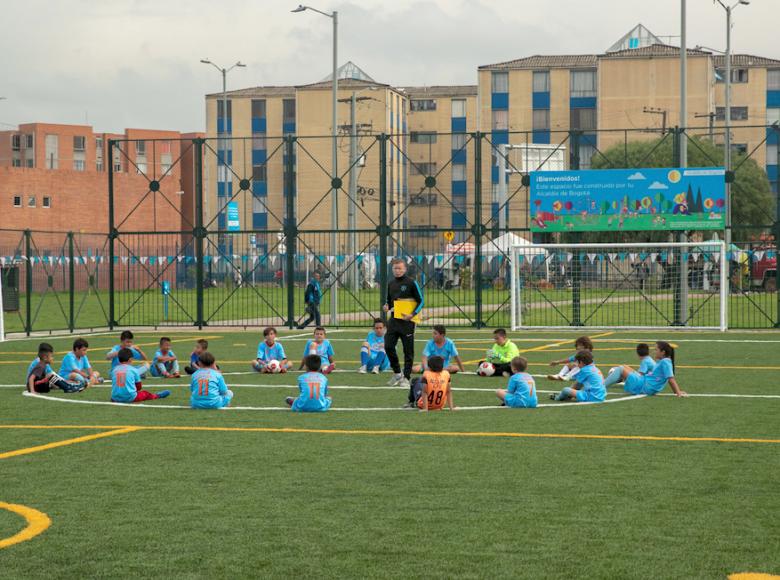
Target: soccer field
point(659, 487)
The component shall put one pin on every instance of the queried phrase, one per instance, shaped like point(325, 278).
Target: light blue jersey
point(521, 392)
point(268, 353)
point(159, 353)
point(446, 351)
point(71, 363)
point(375, 342)
point(123, 383)
point(651, 383)
point(34, 364)
point(117, 348)
point(324, 350)
point(647, 365)
point(208, 390)
point(314, 393)
point(592, 381)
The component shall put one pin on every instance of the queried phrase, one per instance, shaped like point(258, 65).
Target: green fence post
point(679, 285)
point(290, 227)
point(576, 263)
point(478, 230)
point(776, 127)
point(111, 235)
point(199, 233)
point(383, 229)
point(28, 276)
point(71, 285)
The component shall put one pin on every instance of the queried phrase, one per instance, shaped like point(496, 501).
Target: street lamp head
point(241, 64)
point(205, 61)
point(301, 8)
point(744, 2)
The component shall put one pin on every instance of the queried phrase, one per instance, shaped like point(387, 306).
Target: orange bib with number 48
point(438, 385)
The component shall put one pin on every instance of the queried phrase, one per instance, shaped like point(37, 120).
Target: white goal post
point(620, 286)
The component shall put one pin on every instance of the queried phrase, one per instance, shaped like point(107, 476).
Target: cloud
point(636, 175)
point(657, 185)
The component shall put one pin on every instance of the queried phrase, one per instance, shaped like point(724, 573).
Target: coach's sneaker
point(289, 401)
point(404, 384)
point(363, 370)
point(410, 406)
point(163, 394)
point(375, 370)
point(395, 379)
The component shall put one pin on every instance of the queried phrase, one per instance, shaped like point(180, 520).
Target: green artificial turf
point(188, 503)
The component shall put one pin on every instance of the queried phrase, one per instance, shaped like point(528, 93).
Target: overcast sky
point(135, 63)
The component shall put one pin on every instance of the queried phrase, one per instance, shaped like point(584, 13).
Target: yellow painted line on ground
point(85, 438)
point(476, 434)
point(37, 523)
point(561, 343)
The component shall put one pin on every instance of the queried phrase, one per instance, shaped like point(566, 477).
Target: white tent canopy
point(503, 244)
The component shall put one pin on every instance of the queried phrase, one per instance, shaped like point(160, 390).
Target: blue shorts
point(305, 406)
point(519, 402)
point(589, 397)
point(634, 384)
point(223, 401)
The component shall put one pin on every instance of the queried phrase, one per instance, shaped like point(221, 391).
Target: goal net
point(648, 285)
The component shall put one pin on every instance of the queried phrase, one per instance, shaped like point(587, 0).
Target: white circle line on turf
point(339, 409)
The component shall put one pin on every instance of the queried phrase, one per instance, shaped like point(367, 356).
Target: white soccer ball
point(486, 369)
point(273, 366)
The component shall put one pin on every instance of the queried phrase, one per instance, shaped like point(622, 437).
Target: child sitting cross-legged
point(433, 390)
point(589, 386)
point(207, 386)
point(41, 378)
point(126, 384)
point(165, 363)
point(313, 387)
point(521, 391)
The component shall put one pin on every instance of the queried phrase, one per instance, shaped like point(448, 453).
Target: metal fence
point(437, 204)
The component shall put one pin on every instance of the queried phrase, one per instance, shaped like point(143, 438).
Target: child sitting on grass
point(126, 341)
point(40, 377)
point(270, 349)
point(373, 357)
point(165, 363)
point(431, 391)
point(322, 348)
point(655, 380)
point(201, 346)
point(570, 367)
point(440, 345)
point(502, 353)
point(207, 386)
point(75, 367)
point(589, 387)
point(126, 384)
point(521, 391)
point(313, 387)
point(646, 365)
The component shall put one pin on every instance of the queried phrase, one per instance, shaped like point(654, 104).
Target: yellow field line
point(489, 434)
point(47, 446)
point(37, 523)
point(561, 343)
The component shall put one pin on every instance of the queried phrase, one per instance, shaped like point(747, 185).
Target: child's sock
point(364, 357)
point(613, 376)
point(564, 395)
point(564, 371)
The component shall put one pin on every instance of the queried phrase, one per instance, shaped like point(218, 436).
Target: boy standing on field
point(401, 287)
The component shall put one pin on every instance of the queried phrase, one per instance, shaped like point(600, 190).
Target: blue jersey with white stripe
point(268, 353)
point(324, 350)
point(375, 342)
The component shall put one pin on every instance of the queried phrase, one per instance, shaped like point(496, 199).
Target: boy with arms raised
point(207, 386)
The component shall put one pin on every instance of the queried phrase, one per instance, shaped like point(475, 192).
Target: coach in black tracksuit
point(400, 287)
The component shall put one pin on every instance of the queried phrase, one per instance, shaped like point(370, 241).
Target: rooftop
point(539, 61)
point(441, 91)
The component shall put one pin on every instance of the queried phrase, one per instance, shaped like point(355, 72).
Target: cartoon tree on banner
point(690, 201)
point(699, 206)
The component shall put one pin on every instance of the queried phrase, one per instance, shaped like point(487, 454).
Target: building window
point(739, 148)
point(17, 201)
point(772, 115)
point(424, 168)
point(586, 155)
point(16, 162)
point(140, 167)
point(220, 106)
point(259, 173)
point(288, 110)
point(28, 141)
point(773, 79)
point(427, 199)
point(258, 108)
point(258, 143)
point(500, 121)
point(459, 172)
point(28, 163)
point(79, 143)
point(541, 81)
point(738, 75)
point(31, 201)
point(16, 142)
point(458, 107)
point(737, 113)
point(771, 154)
point(423, 137)
point(52, 151)
point(99, 164)
point(422, 105)
point(46, 201)
point(541, 120)
point(140, 148)
point(582, 119)
point(499, 82)
point(78, 165)
point(459, 141)
point(583, 83)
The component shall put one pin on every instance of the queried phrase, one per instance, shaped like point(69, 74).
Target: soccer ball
point(486, 369)
point(273, 366)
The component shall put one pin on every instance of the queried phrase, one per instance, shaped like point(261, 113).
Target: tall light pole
point(683, 84)
point(222, 135)
point(727, 111)
point(334, 207)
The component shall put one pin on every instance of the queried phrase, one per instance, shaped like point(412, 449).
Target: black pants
point(405, 333)
point(313, 310)
point(415, 390)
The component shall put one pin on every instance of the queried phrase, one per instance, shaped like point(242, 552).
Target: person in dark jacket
point(401, 287)
point(312, 297)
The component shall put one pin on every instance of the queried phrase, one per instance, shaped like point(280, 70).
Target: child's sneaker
point(362, 370)
point(176, 375)
point(163, 394)
point(375, 370)
point(289, 401)
point(552, 397)
point(395, 380)
point(404, 384)
point(554, 377)
point(100, 380)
